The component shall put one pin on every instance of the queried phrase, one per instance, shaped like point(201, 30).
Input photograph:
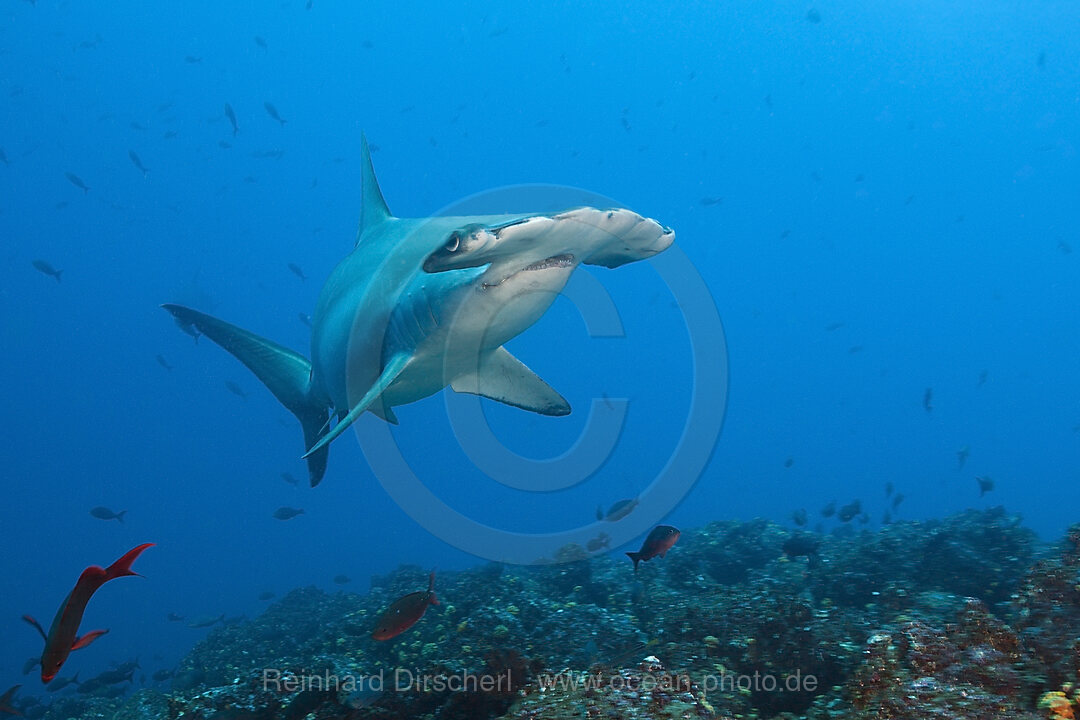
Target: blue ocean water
point(880, 199)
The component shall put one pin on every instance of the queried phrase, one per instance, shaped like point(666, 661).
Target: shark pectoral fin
point(389, 374)
point(501, 376)
point(287, 374)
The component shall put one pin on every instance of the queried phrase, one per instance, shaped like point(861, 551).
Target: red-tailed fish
point(5, 701)
point(63, 635)
point(659, 542)
point(404, 613)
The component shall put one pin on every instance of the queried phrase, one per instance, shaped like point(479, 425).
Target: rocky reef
point(965, 617)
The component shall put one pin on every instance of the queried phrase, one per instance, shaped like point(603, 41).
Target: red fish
point(5, 701)
point(63, 635)
point(659, 542)
point(404, 613)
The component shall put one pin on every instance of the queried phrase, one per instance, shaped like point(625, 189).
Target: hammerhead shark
point(422, 303)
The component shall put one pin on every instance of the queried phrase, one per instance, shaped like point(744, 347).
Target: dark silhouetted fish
point(801, 545)
point(137, 162)
point(888, 488)
point(287, 477)
point(799, 517)
point(29, 665)
point(849, 511)
point(617, 511)
point(232, 118)
point(161, 675)
point(833, 326)
point(813, 16)
point(829, 510)
point(236, 389)
point(982, 378)
point(927, 400)
point(712, 201)
point(961, 457)
point(206, 621)
point(76, 181)
point(266, 595)
point(261, 42)
point(163, 362)
point(405, 611)
point(656, 544)
point(287, 513)
point(897, 500)
point(4, 157)
point(272, 112)
point(789, 462)
point(60, 683)
point(104, 513)
point(297, 271)
point(174, 617)
point(191, 59)
point(44, 267)
point(342, 579)
point(986, 484)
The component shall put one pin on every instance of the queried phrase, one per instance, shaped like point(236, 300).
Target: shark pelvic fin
point(389, 374)
point(373, 209)
point(501, 376)
point(285, 373)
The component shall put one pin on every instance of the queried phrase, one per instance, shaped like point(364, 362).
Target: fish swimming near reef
point(656, 544)
point(77, 182)
point(232, 118)
point(137, 162)
point(205, 622)
point(405, 612)
point(63, 635)
point(422, 304)
point(5, 701)
point(287, 513)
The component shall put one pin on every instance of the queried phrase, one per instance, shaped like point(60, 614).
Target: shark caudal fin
point(285, 373)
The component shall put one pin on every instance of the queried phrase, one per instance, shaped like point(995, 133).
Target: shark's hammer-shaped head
point(528, 259)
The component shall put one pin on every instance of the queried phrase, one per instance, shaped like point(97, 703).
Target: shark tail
point(285, 373)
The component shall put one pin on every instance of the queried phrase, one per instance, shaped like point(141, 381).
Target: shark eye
point(453, 243)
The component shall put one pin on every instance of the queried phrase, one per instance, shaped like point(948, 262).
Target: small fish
point(888, 488)
point(4, 157)
point(287, 513)
point(829, 510)
point(618, 511)
point(982, 378)
point(801, 545)
point(206, 621)
point(849, 511)
point(175, 617)
point(232, 118)
point(657, 543)
point(833, 326)
point(897, 500)
point(6, 698)
point(137, 162)
point(60, 683)
point(224, 145)
point(267, 595)
point(927, 398)
point(404, 612)
point(47, 269)
point(342, 579)
point(163, 362)
point(961, 457)
point(305, 318)
point(192, 60)
point(789, 462)
point(104, 513)
point(120, 674)
point(712, 201)
point(261, 42)
point(813, 16)
point(169, 135)
point(1041, 61)
point(63, 635)
point(188, 329)
point(986, 484)
point(288, 477)
point(297, 271)
point(77, 182)
point(1062, 246)
point(799, 517)
point(273, 113)
point(236, 389)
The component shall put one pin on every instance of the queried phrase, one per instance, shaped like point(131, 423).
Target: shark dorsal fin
point(373, 210)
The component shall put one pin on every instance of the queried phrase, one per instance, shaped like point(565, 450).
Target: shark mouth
point(564, 260)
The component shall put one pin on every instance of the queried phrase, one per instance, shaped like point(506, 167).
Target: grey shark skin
point(420, 304)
